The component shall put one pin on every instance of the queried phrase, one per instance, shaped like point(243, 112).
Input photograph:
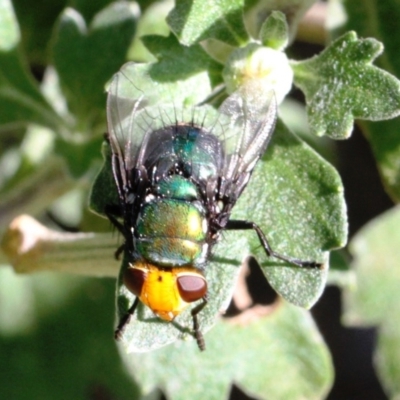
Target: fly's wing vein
point(252, 116)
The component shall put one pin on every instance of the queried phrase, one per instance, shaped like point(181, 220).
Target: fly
point(177, 182)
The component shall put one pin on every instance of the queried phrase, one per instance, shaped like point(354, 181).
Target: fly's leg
point(119, 251)
point(196, 327)
point(245, 225)
point(120, 227)
point(125, 320)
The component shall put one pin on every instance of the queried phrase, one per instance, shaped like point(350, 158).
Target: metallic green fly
point(178, 179)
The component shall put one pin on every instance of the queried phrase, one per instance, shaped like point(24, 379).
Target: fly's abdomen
point(172, 232)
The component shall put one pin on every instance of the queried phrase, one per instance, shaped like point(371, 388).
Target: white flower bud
point(269, 67)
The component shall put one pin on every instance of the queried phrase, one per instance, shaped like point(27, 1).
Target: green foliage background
point(56, 329)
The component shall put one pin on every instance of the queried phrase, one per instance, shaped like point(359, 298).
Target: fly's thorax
point(172, 230)
point(166, 291)
point(196, 152)
point(199, 151)
point(177, 187)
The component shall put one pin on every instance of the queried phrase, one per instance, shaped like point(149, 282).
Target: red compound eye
point(192, 287)
point(134, 279)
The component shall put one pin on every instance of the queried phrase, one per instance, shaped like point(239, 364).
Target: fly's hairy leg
point(246, 225)
point(125, 320)
point(196, 327)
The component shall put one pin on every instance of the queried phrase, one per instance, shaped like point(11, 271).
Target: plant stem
point(30, 247)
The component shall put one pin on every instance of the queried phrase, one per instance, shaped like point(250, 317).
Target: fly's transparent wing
point(132, 113)
point(124, 102)
point(137, 106)
point(248, 119)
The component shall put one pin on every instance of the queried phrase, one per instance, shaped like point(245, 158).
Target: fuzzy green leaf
point(80, 155)
point(104, 191)
point(20, 99)
point(296, 197)
point(376, 300)
point(176, 61)
point(254, 355)
point(196, 20)
point(274, 31)
point(38, 24)
point(341, 85)
point(256, 12)
point(153, 21)
point(86, 57)
point(384, 138)
point(138, 80)
point(374, 18)
point(378, 19)
point(56, 329)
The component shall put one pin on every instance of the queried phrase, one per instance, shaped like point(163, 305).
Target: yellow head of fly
point(166, 291)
